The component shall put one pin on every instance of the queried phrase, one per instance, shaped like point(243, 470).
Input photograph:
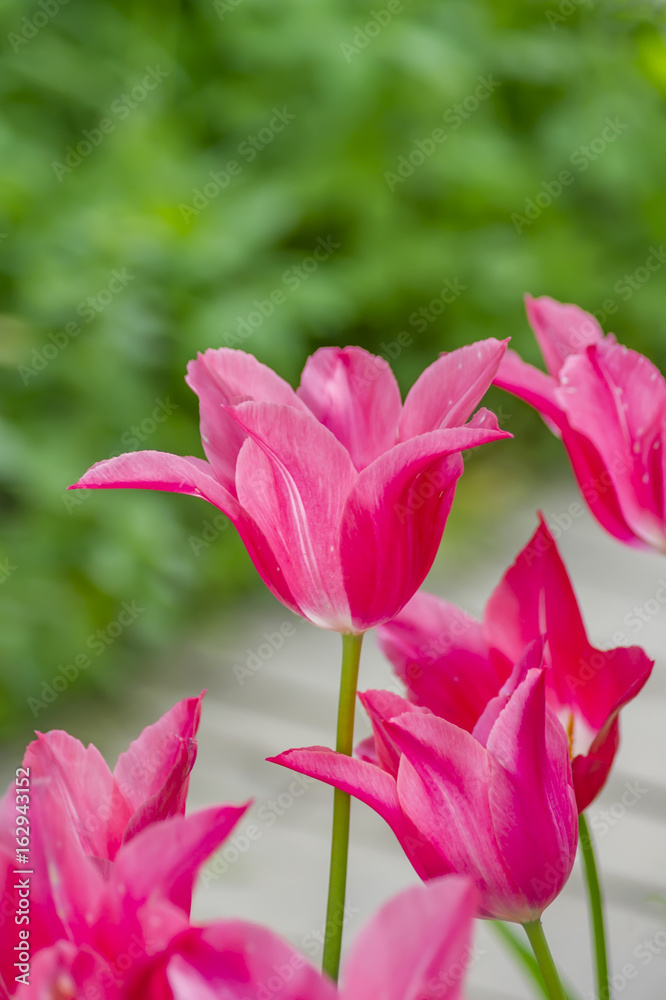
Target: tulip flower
point(454, 665)
point(339, 491)
point(496, 804)
point(102, 846)
point(608, 404)
point(417, 945)
point(149, 782)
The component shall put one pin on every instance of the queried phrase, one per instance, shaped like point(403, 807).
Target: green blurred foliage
point(76, 377)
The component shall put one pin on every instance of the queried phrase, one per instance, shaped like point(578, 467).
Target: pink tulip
point(417, 945)
point(454, 665)
point(608, 404)
point(104, 846)
point(339, 492)
point(123, 911)
point(149, 782)
point(496, 804)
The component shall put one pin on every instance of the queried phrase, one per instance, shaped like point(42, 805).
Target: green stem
point(596, 907)
point(522, 953)
point(551, 977)
point(526, 958)
point(337, 886)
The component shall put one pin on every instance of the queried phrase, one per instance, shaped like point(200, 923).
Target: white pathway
point(278, 876)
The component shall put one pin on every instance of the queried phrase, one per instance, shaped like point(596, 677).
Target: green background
point(361, 101)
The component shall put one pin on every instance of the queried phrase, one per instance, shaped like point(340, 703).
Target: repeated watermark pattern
point(364, 34)
point(120, 109)
point(581, 159)
point(88, 309)
point(291, 280)
point(259, 657)
point(603, 820)
point(95, 645)
point(131, 439)
point(455, 116)
point(236, 846)
point(247, 150)
point(30, 27)
point(644, 953)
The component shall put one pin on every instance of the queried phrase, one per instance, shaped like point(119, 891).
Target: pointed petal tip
point(280, 758)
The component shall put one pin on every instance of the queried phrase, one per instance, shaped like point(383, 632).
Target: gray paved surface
point(280, 880)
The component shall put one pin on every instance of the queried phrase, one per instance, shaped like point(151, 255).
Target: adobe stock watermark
point(430, 483)
point(248, 150)
point(373, 366)
point(581, 158)
point(644, 953)
point(632, 282)
point(88, 310)
point(212, 529)
point(131, 439)
point(224, 7)
point(643, 614)
point(267, 816)
point(97, 643)
point(259, 657)
point(121, 108)
point(592, 490)
point(313, 942)
point(30, 27)
point(7, 569)
point(291, 280)
point(604, 820)
point(564, 12)
point(635, 620)
point(422, 149)
point(365, 33)
point(442, 984)
point(273, 987)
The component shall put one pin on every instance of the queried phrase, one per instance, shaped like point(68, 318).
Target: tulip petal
point(187, 983)
point(617, 399)
point(416, 947)
point(450, 389)
point(534, 812)
point(382, 706)
point(543, 393)
point(156, 470)
point(534, 598)
point(225, 377)
point(91, 801)
point(561, 330)
point(532, 659)
point(596, 485)
point(612, 679)
point(534, 387)
point(356, 396)
point(163, 859)
point(394, 520)
point(449, 805)
point(590, 771)
point(440, 653)
point(63, 883)
point(153, 774)
point(294, 477)
point(356, 777)
point(66, 972)
point(66, 889)
point(159, 470)
point(235, 960)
